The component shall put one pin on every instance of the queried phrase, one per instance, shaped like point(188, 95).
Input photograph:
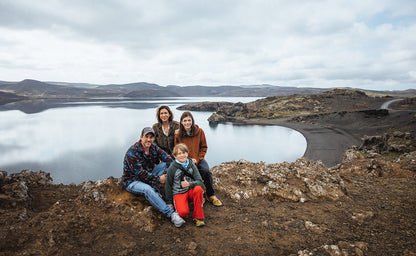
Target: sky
point(369, 44)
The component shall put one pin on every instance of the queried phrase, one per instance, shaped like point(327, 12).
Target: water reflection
point(88, 142)
point(39, 105)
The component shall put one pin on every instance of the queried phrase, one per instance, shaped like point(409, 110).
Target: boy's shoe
point(176, 219)
point(199, 223)
point(215, 201)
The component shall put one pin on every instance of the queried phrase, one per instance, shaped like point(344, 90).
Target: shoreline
point(326, 144)
point(332, 134)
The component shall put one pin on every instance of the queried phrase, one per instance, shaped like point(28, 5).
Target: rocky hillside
point(366, 205)
point(335, 100)
point(405, 104)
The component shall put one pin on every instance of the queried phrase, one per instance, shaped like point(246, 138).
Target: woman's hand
point(185, 183)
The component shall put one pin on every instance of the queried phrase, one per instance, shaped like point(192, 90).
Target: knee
point(148, 191)
point(198, 190)
point(182, 212)
point(163, 165)
point(204, 172)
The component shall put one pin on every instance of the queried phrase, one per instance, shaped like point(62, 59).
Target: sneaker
point(215, 201)
point(176, 219)
point(199, 222)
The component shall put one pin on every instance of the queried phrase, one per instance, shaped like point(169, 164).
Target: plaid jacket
point(138, 166)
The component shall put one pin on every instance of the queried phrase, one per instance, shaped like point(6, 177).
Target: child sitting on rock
point(184, 185)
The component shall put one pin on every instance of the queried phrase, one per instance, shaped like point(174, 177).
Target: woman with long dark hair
point(165, 129)
point(194, 138)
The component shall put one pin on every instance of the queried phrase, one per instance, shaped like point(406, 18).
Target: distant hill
point(403, 93)
point(6, 97)
point(240, 91)
point(131, 87)
point(156, 92)
point(37, 89)
point(79, 85)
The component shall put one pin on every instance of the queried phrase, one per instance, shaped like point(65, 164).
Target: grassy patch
point(391, 155)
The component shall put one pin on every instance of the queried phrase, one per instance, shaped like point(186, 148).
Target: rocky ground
point(364, 205)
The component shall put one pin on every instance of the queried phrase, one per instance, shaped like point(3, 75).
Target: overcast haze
point(355, 43)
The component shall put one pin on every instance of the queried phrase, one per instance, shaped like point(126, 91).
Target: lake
point(77, 141)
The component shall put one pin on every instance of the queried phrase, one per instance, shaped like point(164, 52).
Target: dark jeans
point(206, 175)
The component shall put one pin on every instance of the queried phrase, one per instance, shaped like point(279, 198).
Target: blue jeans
point(152, 193)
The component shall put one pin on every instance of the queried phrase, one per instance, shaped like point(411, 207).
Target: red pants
point(195, 195)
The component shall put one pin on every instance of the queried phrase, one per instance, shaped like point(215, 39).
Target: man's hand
point(162, 180)
point(194, 160)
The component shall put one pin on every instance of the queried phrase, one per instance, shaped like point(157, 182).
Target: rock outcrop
point(300, 181)
point(391, 142)
point(205, 106)
point(40, 215)
point(336, 100)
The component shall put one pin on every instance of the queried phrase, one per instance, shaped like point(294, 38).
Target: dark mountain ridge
point(34, 89)
point(37, 89)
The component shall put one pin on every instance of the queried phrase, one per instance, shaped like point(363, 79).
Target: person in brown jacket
point(194, 138)
point(165, 129)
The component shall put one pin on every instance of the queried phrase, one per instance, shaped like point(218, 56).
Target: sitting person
point(194, 138)
point(144, 173)
point(165, 129)
point(184, 184)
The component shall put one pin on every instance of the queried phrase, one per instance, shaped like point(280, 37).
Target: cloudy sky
point(336, 43)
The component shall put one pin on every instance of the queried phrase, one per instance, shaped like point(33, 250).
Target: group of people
point(170, 156)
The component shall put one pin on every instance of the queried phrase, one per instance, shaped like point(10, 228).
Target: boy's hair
point(182, 147)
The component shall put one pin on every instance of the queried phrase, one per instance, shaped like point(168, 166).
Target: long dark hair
point(158, 113)
point(182, 131)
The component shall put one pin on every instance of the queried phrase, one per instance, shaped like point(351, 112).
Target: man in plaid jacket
point(144, 173)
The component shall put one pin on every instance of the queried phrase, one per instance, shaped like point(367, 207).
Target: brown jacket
point(196, 143)
point(165, 142)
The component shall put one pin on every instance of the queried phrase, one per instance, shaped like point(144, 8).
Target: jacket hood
point(196, 132)
point(177, 165)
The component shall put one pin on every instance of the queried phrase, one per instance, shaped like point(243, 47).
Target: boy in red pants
point(184, 184)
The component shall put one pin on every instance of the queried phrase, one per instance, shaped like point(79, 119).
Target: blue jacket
point(138, 166)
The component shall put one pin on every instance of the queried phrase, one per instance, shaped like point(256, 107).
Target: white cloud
point(319, 43)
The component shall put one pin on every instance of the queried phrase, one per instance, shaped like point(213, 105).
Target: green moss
point(391, 155)
point(363, 154)
point(400, 141)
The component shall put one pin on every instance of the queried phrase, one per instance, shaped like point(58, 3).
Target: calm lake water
point(86, 140)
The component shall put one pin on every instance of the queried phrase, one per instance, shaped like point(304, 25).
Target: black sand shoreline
point(323, 143)
point(331, 135)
